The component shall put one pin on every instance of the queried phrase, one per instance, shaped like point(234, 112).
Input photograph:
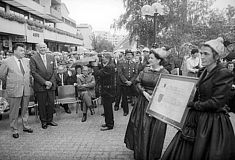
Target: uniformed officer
point(128, 73)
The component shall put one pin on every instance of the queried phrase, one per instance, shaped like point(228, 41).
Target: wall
point(12, 27)
point(66, 27)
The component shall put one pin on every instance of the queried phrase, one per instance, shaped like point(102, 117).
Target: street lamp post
point(137, 41)
point(154, 11)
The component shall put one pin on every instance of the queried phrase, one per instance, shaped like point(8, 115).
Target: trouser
point(108, 110)
point(124, 92)
point(118, 96)
point(46, 105)
point(87, 101)
point(15, 103)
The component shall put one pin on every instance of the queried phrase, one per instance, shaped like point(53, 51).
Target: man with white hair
point(44, 73)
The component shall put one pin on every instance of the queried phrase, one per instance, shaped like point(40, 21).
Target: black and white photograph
point(117, 79)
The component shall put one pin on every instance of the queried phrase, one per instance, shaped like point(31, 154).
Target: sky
point(100, 14)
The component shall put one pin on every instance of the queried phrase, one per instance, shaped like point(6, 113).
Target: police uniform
point(127, 72)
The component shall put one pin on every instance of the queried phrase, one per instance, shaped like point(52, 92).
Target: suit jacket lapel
point(15, 65)
point(25, 65)
point(48, 61)
point(39, 58)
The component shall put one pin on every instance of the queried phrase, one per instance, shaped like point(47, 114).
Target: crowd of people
point(130, 78)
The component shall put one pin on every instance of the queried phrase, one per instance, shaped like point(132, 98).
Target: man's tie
point(21, 67)
point(62, 79)
point(44, 60)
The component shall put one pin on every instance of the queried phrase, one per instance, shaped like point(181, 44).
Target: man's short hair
point(195, 50)
point(107, 56)
point(16, 45)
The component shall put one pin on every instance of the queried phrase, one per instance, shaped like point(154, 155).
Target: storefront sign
point(34, 34)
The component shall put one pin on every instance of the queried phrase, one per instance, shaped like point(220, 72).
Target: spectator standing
point(128, 73)
point(106, 74)
point(207, 132)
point(43, 70)
point(193, 63)
point(15, 71)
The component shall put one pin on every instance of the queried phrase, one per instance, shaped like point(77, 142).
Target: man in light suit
point(43, 70)
point(86, 89)
point(15, 70)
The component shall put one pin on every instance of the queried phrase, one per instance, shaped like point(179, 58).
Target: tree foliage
point(99, 44)
point(188, 21)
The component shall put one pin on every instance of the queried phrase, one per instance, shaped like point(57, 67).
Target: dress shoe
point(84, 117)
point(103, 125)
point(68, 111)
point(28, 130)
point(44, 125)
point(125, 114)
point(116, 108)
point(15, 135)
point(106, 128)
point(52, 123)
point(92, 109)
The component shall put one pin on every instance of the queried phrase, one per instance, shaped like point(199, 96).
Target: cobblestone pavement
point(72, 139)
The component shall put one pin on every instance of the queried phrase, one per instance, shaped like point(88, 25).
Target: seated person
point(65, 77)
point(86, 89)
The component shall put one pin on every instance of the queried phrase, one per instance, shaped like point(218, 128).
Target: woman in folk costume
point(207, 133)
point(145, 134)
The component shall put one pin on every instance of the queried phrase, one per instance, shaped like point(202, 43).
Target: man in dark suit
point(117, 63)
point(106, 74)
point(44, 74)
point(128, 72)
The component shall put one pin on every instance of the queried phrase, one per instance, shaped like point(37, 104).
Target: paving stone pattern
point(71, 140)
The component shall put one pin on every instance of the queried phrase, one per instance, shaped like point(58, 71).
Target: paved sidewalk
point(71, 140)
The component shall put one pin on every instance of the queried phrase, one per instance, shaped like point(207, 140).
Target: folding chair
point(66, 95)
point(96, 102)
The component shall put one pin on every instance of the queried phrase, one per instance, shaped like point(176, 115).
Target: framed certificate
point(170, 98)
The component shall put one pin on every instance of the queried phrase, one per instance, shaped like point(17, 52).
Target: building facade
point(87, 33)
point(113, 38)
point(35, 21)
